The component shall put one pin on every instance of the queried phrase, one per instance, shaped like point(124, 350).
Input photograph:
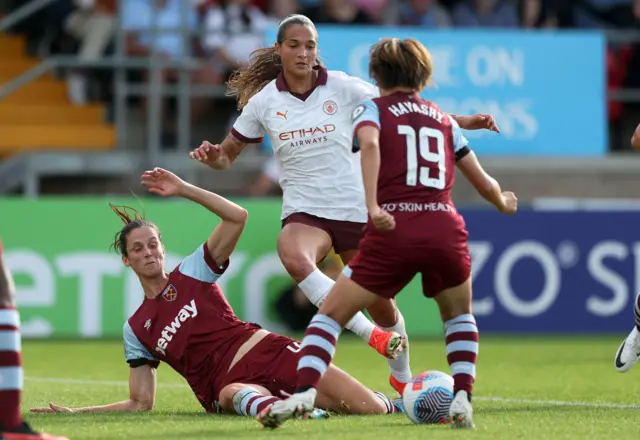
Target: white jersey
point(311, 140)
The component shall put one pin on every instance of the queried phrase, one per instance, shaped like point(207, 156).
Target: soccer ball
point(427, 397)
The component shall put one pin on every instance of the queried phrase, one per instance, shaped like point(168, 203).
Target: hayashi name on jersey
point(403, 108)
point(418, 207)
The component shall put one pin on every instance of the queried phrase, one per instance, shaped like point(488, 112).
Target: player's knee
point(455, 301)
point(225, 399)
point(379, 407)
point(296, 261)
point(232, 396)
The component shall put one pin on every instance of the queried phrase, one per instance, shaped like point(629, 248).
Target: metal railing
point(25, 11)
point(120, 63)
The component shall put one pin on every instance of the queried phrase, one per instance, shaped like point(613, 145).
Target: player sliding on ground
point(185, 321)
point(409, 151)
point(286, 92)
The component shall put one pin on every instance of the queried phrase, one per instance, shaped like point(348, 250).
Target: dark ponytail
point(132, 219)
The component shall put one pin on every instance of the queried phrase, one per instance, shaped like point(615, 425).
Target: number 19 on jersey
point(419, 144)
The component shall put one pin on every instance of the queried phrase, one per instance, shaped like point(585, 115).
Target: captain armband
point(135, 363)
point(462, 152)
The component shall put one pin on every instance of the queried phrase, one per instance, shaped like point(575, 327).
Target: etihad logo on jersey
point(187, 312)
point(307, 136)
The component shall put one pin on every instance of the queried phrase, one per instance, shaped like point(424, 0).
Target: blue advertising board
point(547, 90)
point(554, 272)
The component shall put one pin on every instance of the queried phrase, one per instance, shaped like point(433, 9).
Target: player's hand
point(479, 121)
point(162, 182)
point(52, 408)
point(510, 203)
point(382, 219)
point(206, 153)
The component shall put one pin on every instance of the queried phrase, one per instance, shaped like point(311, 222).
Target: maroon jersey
point(419, 146)
point(190, 326)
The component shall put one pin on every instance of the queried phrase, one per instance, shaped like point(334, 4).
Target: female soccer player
point(186, 322)
point(628, 353)
point(286, 92)
point(12, 425)
point(409, 151)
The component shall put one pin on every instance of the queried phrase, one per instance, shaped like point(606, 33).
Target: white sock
point(400, 367)
point(316, 287)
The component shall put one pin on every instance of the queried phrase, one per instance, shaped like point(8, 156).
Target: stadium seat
point(39, 115)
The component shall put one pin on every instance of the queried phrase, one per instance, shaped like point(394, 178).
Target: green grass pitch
point(527, 388)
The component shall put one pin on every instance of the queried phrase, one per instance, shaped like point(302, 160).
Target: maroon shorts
point(379, 271)
point(272, 364)
point(345, 236)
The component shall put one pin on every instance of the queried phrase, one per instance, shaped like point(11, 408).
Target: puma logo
point(284, 115)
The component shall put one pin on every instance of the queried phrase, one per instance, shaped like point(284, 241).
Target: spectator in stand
point(604, 13)
point(138, 21)
point(537, 14)
point(380, 11)
point(92, 23)
point(280, 9)
point(337, 12)
point(425, 13)
point(234, 29)
point(485, 13)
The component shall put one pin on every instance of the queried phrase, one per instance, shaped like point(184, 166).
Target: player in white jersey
point(287, 93)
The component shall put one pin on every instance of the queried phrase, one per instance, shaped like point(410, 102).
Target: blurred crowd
point(232, 29)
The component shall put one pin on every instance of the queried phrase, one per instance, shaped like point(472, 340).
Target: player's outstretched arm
point(487, 186)
point(219, 156)
point(476, 122)
point(142, 395)
point(225, 236)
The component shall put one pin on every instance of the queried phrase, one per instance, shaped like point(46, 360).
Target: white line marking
point(123, 383)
